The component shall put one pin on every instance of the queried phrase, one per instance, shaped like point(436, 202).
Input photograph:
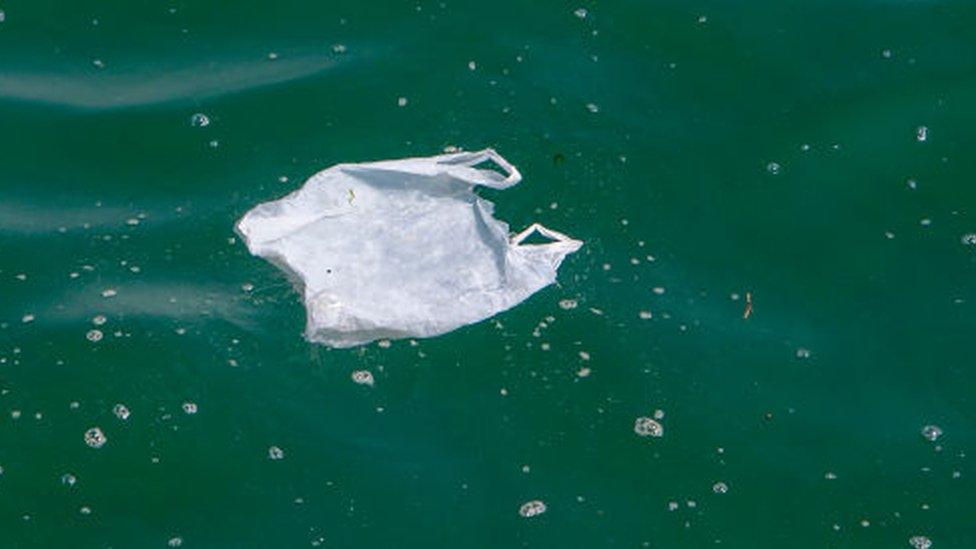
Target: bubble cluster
point(121, 411)
point(532, 508)
point(720, 488)
point(363, 377)
point(189, 408)
point(95, 438)
point(648, 427)
point(94, 335)
point(920, 542)
point(567, 304)
point(199, 120)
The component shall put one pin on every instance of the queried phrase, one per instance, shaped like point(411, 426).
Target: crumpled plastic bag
point(402, 248)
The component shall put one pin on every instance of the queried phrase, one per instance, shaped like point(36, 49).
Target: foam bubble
point(532, 508)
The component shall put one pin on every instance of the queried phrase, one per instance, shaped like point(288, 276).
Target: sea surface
point(777, 201)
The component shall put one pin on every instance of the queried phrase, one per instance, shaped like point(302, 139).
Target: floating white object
point(402, 248)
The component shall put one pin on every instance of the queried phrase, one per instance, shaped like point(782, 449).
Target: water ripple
point(146, 84)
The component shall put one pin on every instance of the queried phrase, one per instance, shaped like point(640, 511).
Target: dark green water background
point(101, 171)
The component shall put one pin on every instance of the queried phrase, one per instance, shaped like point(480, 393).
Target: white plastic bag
point(402, 248)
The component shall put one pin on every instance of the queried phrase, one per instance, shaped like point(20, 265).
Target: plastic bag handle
point(488, 178)
point(559, 239)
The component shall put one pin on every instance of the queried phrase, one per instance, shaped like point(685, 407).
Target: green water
point(672, 183)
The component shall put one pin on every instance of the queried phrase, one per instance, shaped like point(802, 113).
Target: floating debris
point(921, 133)
point(747, 312)
point(27, 319)
point(94, 335)
point(121, 411)
point(920, 542)
point(532, 508)
point(199, 120)
point(276, 453)
point(363, 377)
point(647, 427)
point(931, 432)
point(95, 438)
